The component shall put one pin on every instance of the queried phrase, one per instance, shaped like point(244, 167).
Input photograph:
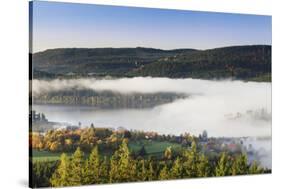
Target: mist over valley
point(224, 107)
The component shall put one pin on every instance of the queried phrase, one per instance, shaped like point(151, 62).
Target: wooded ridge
point(238, 62)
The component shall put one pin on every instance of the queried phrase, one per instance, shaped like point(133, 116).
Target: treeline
point(106, 99)
point(67, 140)
point(77, 170)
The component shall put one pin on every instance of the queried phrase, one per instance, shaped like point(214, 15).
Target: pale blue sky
point(68, 25)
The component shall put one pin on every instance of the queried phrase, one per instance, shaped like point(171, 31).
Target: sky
point(72, 25)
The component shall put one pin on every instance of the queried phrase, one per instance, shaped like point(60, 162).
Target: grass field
point(152, 148)
point(45, 155)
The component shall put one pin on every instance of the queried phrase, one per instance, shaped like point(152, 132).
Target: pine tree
point(234, 168)
point(255, 169)
point(124, 162)
point(92, 168)
point(141, 171)
point(203, 166)
point(104, 171)
point(61, 175)
point(150, 172)
point(164, 175)
point(191, 159)
point(114, 172)
point(176, 171)
point(132, 170)
point(241, 164)
point(77, 166)
point(222, 168)
point(122, 168)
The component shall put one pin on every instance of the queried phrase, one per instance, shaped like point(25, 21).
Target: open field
point(45, 155)
point(152, 147)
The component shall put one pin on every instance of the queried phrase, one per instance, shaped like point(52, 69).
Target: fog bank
point(223, 108)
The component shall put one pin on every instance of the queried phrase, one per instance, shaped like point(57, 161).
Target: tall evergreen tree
point(234, 167)
point(124, 161)
point(190, 161)
point(150, 171)
point(77, 168)
point(255, 169)
point(222, 168)
point(241, 164)
point(122, 167)
point(61, 175)
point(141, 170)
point(132, 170)
point(92, 168)
point(164, 175)
point(203, 166)
point(176, 171)
point(103, 176)
point(114, 172)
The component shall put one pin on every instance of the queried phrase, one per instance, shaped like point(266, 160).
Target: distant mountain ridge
point(241, 62)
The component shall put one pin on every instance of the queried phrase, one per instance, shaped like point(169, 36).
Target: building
point(203, 137)
point(37, 117)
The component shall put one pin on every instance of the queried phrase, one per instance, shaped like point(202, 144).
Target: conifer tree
point(222, 168)
point(124, 162)
point(114, 172)
point(254, 168)
point(141, 171)
point(164, 175)
point(176, 171)
point(150, 172)
point(104, 171)
point(77, 168)
point(122, 168)
point(234, 167)
point(132, 170)
point(241, 164)
point(61, 175)
point(191, 159)
point(92, 168)
point(203, 166)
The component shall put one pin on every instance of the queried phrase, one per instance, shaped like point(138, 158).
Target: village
point(210, 146)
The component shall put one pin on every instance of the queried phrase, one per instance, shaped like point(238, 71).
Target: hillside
point(240, 62)
point(97, 61)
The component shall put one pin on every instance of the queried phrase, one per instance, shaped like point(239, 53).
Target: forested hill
point(240, 62)
point(98, 61)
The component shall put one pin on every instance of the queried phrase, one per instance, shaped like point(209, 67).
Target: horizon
point(151, 48)
point(72, 25)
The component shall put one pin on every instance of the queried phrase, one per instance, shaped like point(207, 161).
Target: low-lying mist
point(223, 108)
